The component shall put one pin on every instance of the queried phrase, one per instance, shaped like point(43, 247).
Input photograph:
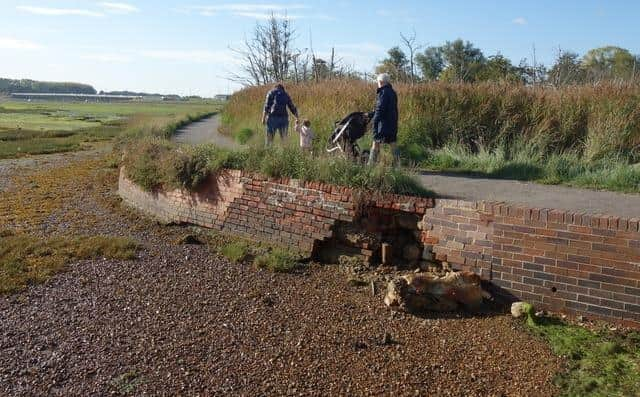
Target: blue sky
point(173, 46)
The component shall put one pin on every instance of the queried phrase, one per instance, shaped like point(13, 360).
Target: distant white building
point(222, 97)
point(28, 96)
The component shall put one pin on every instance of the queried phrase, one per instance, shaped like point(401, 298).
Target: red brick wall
point(570, 262)
point(564, 261)
point(287, 212)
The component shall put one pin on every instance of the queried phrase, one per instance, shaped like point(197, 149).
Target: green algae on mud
point(27, 259)
point(600, 362)
point(28, 128)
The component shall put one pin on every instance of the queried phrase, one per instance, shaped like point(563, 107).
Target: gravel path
point(533, 194)
point(181, 320)
point(204, 131)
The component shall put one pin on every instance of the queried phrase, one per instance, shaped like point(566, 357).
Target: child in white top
point(306, 134)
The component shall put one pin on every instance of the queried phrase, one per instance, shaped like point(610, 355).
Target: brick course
point(560, 260)
point(566, 261)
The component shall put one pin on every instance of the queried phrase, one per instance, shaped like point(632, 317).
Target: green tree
point(609, 63)
point(499, 68)
point(463, 61)
point(430, 62)
point(396, 65)
point(567, 69)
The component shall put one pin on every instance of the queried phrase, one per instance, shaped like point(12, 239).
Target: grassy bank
point(154, 162)
point(49, 127)
point(582, 135)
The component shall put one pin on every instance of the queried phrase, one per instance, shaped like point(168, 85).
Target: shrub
point(152, 162)
point(236, 251)
point(244, 135)
point(144, 160)
point(278, 260)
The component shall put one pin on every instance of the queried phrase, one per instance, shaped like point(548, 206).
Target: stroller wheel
point(364, 156)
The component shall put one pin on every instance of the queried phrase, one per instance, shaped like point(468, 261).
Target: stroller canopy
point(353, 126)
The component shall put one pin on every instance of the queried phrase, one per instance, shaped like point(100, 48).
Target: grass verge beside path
point(525, 164)
point(587, 136)
point(602, 362)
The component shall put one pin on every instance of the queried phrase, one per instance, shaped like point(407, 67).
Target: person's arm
point(292, 108)
point(268, 102)
point(381, 107)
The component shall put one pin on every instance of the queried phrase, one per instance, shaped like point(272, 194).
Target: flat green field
point(48, 127)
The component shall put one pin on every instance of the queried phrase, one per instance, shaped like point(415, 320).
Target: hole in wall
point(364, 237)
point(553, 289)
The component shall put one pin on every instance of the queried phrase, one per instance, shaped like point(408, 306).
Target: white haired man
point(385, 119)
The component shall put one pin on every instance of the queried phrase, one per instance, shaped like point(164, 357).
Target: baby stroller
point(343, 140)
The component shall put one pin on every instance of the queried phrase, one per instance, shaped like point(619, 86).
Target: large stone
point(428, 292)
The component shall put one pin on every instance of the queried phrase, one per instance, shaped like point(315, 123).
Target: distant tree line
point(461, 61)
point(269, 55)
point(8, 86)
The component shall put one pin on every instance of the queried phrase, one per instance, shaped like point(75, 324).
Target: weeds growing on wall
point(154, 162)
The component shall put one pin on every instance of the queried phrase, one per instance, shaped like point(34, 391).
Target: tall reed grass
point(578, 135)
point(593, 121)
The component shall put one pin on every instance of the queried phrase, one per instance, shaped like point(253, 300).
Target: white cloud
point(193, 56)
point(119, 8)
point(59, 11)
point(106, 58)
point(251, 10)
point(16, 44)
point(520, 21)
point(266, 15)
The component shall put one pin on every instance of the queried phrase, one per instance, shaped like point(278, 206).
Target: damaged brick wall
point(570, 262)
point(282, 211)
point(565, 261)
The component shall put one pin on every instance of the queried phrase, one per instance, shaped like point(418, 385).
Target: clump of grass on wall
point(154, 162)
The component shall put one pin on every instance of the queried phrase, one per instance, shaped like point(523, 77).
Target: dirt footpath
point(182, 320)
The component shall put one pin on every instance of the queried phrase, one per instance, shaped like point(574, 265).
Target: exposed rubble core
point(430, 292)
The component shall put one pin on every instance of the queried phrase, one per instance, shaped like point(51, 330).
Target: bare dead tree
point(267, 56)
point(412, 47)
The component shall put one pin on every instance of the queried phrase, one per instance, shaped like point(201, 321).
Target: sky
point(184, 46)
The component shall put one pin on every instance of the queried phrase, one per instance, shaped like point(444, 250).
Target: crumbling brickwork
point(571, 262)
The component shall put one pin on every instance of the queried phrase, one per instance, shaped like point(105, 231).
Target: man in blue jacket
point(385, 119)
point(275, 113)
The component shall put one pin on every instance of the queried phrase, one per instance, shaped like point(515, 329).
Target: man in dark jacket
point(385, 119)
point(275, 113)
